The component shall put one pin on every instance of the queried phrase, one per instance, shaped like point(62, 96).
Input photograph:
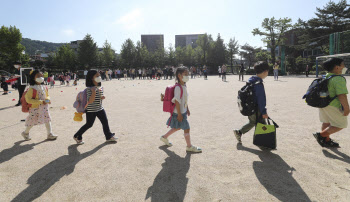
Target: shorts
point(334, 116)
point(174, 123)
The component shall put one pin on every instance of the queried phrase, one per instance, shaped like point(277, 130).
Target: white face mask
point(343, 71)
point(40, 79)
point(185, 78)
point(98, 79)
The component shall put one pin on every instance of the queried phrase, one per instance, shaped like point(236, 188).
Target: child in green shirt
point(334, 116)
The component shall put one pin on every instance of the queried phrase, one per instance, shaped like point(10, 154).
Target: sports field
point(138, 167)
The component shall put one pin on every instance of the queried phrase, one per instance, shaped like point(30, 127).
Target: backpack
point(81, 101)
point(317, 94)
point(246, 101)
point(168, 105)
point(25, 105)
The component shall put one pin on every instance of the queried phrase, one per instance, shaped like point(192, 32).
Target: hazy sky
point(69, 20)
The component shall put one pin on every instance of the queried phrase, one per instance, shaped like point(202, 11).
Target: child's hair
point(331, 63)
point(260, 67)
point(179, 70)
point(90, 75)
point(32, 77)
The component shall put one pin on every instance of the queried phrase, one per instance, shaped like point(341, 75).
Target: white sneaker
point(166, 141)
point(51, 136)
point(26, 136)
point(79, 142)
point(112, 139)
point(194, 149)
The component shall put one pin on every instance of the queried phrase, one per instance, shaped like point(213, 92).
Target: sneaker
point(112, 139)
point(319, 139)
point(331, 143)
point(26, 136)
point(79, 142)
point(51, 136)
point(18, 104)
point(166, 141)
point(194, 149)
point(238, 135)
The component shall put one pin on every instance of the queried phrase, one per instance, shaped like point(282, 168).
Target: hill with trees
point(42, 46)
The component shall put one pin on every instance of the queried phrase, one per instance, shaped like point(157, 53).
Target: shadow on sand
point(51, 173)
point(171, 182)
point(340, 156)
point(276, 176)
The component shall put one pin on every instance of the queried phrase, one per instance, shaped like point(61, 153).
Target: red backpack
point(168, 105)
point(25, 104)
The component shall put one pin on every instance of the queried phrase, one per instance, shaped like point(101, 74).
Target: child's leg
point(187, 137)
point(329, 131)
point(325, 125)
point(170, 132)
point(28, 129)
point(247, 127)
point(90, 119)
point(48, 128)
point(104, 121)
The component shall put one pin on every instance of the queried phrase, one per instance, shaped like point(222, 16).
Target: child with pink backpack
point(175, 101)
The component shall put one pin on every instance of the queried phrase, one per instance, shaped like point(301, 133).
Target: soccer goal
point(321, 59)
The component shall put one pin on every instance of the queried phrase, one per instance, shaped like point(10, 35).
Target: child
point(39, 111)
point(261, 70)
point(94, 108)
point(52, 81)
point(67, 79)
point(334, 116)
point(179, 118)
point(4, 85)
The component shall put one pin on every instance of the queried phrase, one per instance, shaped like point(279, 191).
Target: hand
point(103, 97)
point(44, 102)
point(179, 117)
point(346, 112)
point(265, 116)
point(188, 112)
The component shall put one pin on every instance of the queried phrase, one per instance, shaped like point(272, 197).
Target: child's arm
point(344, 102)
point(179, 116)
point(29, 98)
point(261, 99)
point(188, 111)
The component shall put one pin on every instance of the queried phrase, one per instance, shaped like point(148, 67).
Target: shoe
point(79, 142)
point(26, 136)
point(112, 139)
point(166, 141)
point(194, 149)
point(4, 93)
point(238, 136)
point(331, 143)
point(319, 139)
point(51, 136)
point(18, 104)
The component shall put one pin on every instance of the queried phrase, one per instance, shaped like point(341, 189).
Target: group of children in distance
point(333, 117)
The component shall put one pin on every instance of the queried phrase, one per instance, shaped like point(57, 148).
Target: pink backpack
point(169, 106)
point(81, 101)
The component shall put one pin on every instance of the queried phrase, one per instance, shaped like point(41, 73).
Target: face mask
point(40, 79)
point(343, 71)
point(185, 78)
point(98, 79)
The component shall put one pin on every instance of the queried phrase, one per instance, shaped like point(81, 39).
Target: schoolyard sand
point(139, 168)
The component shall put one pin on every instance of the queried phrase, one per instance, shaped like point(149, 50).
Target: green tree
point(249, 53)
point(188, 56)
point(273, 33)
point(204, 43)
point(66, 58)
point(108, 54)
point(128, 54)
point(10, 46)
point(171, 56)
point(180, 55)
point(87, 52)
point(219, 52)
point(232, 50)
point(263, 55)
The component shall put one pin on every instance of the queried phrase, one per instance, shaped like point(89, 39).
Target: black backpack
point(317, 94)
point(246, 102)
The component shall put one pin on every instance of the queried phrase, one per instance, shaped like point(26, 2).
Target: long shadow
point(171, 182)
point(276, 176)
point(51, 173)
point(17, 149)
point(341, 156)
point(11, 125)
point(9, 107)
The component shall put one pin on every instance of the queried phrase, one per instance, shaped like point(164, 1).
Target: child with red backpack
point(35, 101)
point(93, 108)
point(179, 109)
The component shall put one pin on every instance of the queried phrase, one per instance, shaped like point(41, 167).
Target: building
point(185, 40)
point(152, 41)
point(75, 45)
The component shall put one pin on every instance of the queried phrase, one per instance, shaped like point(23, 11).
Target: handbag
point(265, 135)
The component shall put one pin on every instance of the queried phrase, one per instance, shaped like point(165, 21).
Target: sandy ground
point(139, 168)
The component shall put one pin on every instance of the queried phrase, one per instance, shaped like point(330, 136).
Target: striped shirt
point(97, 104)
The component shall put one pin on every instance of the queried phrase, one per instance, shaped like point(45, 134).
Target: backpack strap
point(34, 93)
point(181, 89)
point(171, 115)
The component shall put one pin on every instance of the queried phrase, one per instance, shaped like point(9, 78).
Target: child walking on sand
point(94, 108)
point(334, 116)
point(179, 120)
point(38, 96)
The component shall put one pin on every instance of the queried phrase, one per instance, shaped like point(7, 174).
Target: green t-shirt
point(336, 86)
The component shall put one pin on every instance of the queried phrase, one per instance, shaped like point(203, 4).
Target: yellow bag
point(78, 116)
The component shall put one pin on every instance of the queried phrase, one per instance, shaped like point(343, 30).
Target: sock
point(48, 128)
point(28, 129)
point(325, 135)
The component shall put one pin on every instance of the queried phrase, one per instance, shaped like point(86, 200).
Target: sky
point(62, 21)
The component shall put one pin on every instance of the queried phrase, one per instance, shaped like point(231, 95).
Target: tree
point(263, 55)
point(219, 52)
point(10, 47)
point(171, 56)
point(180, 55)
point(108, 54)
point(273, 33)
point(128, 54)
point(248, 52)
point(87, 52)
point(232, 50)
point(188, 55)
point(65, 58)
point(203, 41)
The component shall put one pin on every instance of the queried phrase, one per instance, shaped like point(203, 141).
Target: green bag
point(265, 135)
